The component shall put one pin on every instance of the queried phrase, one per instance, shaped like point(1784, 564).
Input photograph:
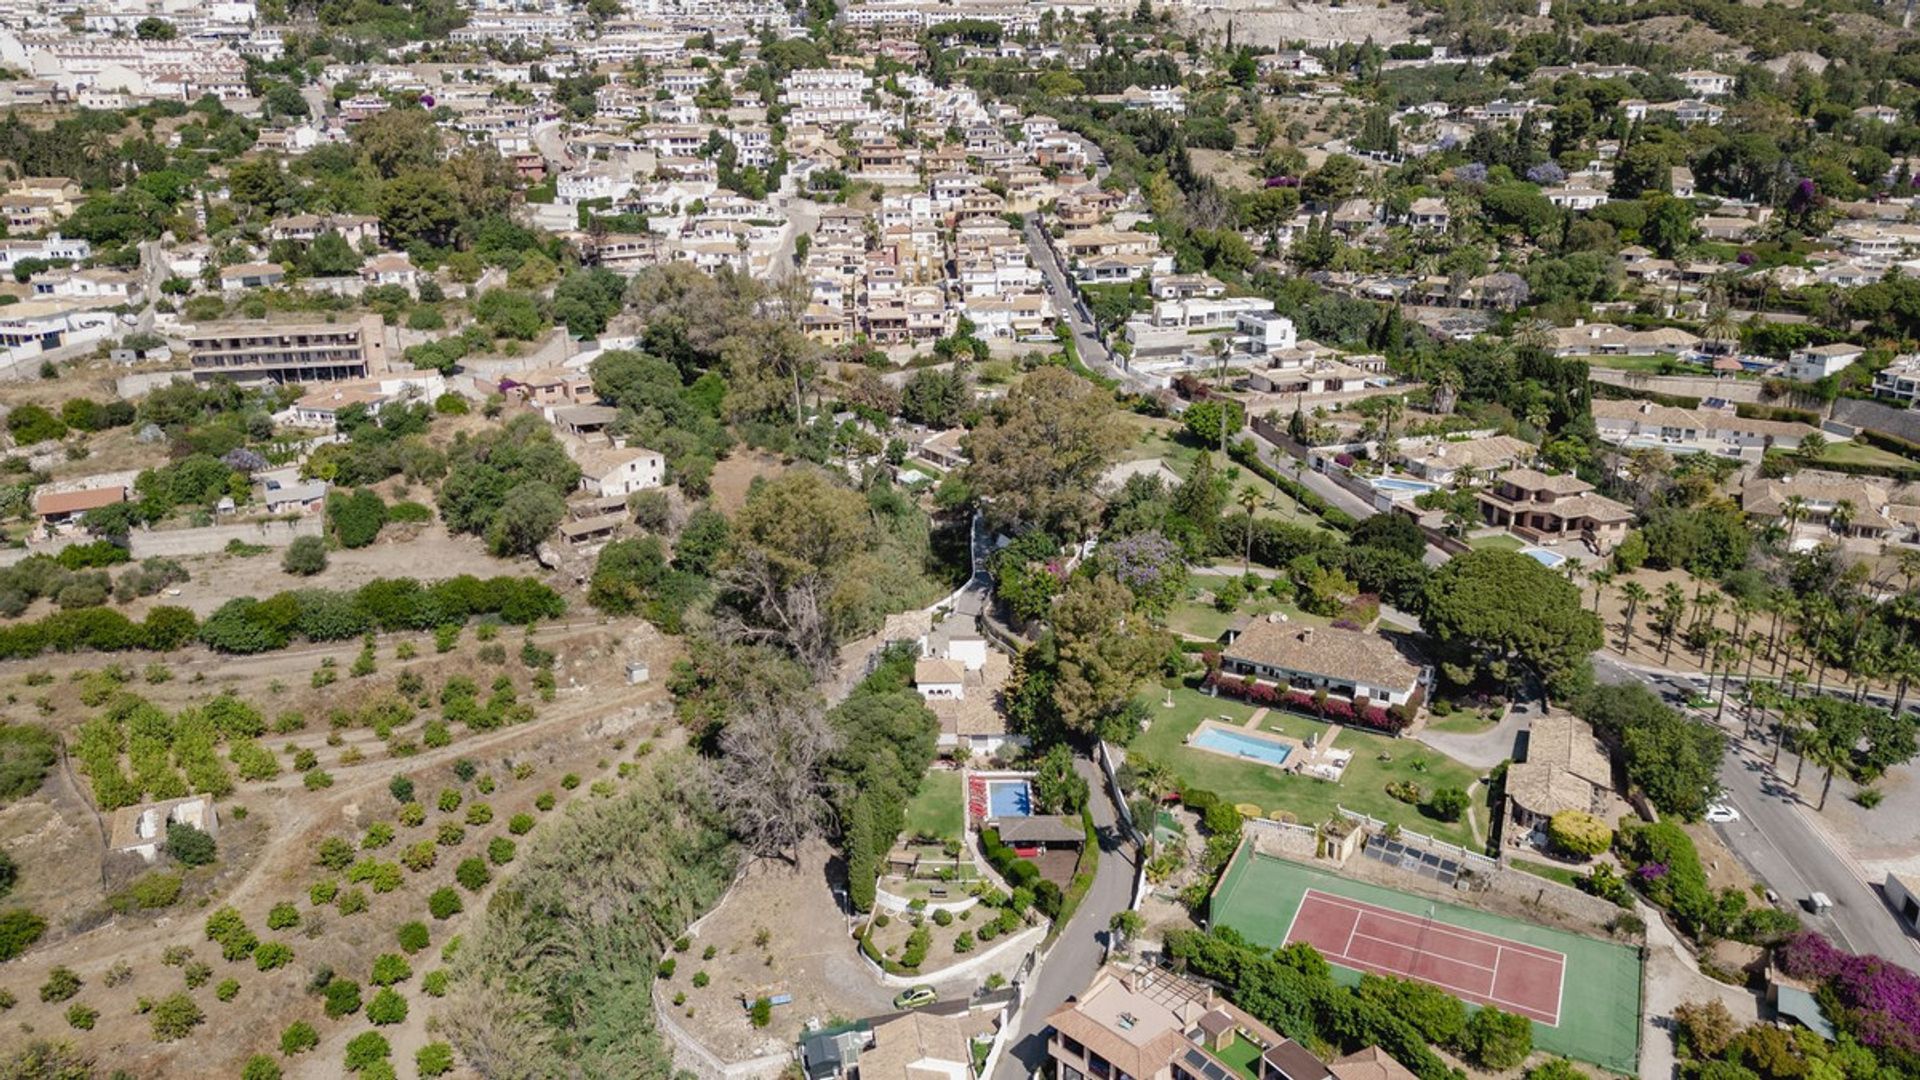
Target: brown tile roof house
point(1565, 769)
point(1372, 1063)
point(1152, 1024)
point(61, 505)
point(918, 1046)
point(1357, 663)
point(1042, 829)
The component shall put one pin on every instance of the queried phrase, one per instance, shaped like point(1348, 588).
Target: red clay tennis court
point(1475, 967)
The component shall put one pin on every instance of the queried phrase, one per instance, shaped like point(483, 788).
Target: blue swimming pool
point(1544, 557)
point(1009, 798)
point(1241, 744)
point(1394, 483)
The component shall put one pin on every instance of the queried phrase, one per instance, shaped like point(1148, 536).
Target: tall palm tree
point(1601, 577)
point(1830, 750)
point(1248, 499)
point(1793, 511)
point(1673, 608)
point(1842, 516)
point(1635, 594)
point(1446, 389)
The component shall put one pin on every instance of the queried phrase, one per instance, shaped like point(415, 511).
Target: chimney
point(1306, 635)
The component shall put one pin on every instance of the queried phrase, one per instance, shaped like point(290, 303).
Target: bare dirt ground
point(1273, 24)
point(267, 855)
point(1230, 170)
point(806, 953)
point(1888, 836)
point(733, 476)
point(431, 554)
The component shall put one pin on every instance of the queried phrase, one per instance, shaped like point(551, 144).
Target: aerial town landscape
point(959, 539)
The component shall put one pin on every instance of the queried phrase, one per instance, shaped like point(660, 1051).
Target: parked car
point(915, 997)
point(1722, 814)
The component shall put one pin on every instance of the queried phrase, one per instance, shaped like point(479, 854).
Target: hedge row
point(247, 625)
point(1748, 410)
point(1389, 720)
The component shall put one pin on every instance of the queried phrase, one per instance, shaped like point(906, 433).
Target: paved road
point(1779, 840)
point(1081, 947)
point(1092, 353)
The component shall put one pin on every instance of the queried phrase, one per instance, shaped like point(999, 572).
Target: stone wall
point(214, 538)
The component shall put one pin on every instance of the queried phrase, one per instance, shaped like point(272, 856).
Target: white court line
point(1362, 907)
point(1447, 929)
point(1417, 951)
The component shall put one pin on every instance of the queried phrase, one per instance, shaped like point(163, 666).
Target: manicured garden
point(1194, 619)
point(1363, 788)
point(1496, 542)
point(937, 809)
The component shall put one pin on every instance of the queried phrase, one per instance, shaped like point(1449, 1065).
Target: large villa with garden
point(1364, 669)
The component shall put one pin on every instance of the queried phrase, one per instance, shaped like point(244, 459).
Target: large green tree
point(1500, 615)
point(1038, 457)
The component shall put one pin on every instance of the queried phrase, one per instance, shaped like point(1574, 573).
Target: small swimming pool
point(1241, 744)
point(1009, 798)
point(1544, 557)
point(1395, 483)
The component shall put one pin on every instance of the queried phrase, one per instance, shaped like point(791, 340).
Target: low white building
point(611, 471)
point(1817, 362)
point(940, 680)
point(142, 830)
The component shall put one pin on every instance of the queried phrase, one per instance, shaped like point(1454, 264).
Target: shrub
point(174, 1017)
point(434, 1059)
point(473, 874)
point(1498, 1040)
point(762, 1012)
point(305, 557)
point(434, 983)
point(413, 936)
point(444, 903)
point(479, 814)
point(227, 990)
point(189, 845)
point(500, 851)
point(323, 892)
point(62, 983)
point(449, 801)
point(1579, 833)
point(352, 901)
point(260, 1067)
point(272, 954)
point(390, 968)
point(230, 930)
point(1448, 803)
point(154, 889)
point(19, 929)
point(299, 1038)
point(342, 998)
point(387, 1007)
point(367, 1048)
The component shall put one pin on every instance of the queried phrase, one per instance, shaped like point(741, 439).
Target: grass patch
point(1560, 874)
point(1861, 455)
point(1363, 788)
point(1167, 441)
point(936, 809)
point(1462, 722)
point(1202, 620)
point(1657, 364)
point(1496, 542)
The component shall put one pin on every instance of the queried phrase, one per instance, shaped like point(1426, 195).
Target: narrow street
point(1081, 946)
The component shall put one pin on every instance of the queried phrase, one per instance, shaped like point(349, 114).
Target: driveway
point(1485, 749)
point(1080, 948)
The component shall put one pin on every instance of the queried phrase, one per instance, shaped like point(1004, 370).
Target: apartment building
point(1636, 424)
point(261, 352)
point(828, 97)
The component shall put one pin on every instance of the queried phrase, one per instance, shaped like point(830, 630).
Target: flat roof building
point(262, 352)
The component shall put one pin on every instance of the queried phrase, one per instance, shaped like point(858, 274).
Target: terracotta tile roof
point(1372, 1063)
point(1355, 656)
point(938, 672)
point(69, 502)
point(1565, 769)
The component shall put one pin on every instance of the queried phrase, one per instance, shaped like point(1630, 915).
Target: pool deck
point(1320, 761)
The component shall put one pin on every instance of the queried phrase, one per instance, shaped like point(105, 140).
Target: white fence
point(1478, 862)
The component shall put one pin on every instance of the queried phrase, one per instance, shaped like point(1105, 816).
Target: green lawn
point(1657, 364)
point(937, 810)
point(1861, 454)
point(1462, 722)
point(1244, 1056)
point(1496, 542)
point(1547, 870)
point(1198, 620)
point(1163, 439)
point(1363, 788)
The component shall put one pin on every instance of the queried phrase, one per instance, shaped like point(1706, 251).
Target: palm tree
point(1635, 594)
point(1248, 499)
point(1391, 409)
point(1904, 662)
point(1793, 511)
point(1673, 607)
point(1842, 516)
point(1446, 389)
point(1601, 578)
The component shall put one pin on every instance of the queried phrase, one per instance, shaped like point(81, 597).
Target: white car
point(1722, 814)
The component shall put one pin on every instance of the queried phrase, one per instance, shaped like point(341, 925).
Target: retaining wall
point(215, 538)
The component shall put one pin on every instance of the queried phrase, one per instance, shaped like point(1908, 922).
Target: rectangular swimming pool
point(1394, 483)
point(1548, 559)
point(1242, 744)
point(1009, 798)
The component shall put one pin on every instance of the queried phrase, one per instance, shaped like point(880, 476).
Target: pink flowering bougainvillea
point(1882, 998)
